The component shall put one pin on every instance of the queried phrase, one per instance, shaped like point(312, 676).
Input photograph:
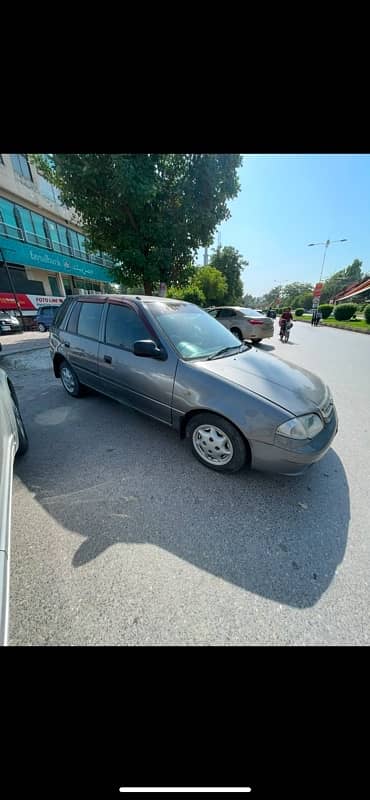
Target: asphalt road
point(119, 536)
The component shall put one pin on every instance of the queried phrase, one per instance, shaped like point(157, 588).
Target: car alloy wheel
point(213, 445)
point(68, 379)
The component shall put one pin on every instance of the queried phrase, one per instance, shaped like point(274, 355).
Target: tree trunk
point(148, 288)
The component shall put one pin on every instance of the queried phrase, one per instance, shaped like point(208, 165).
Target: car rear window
point(62, 313)
point(89, 320)
point(73, 320)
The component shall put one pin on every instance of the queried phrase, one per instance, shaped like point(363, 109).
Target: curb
point(335, 327)
point(5, 353)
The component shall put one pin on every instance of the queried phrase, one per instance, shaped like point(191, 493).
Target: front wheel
point(216, 443)
point(41, 327)
point(70, 380)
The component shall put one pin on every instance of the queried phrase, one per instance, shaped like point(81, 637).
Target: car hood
point(295, 389)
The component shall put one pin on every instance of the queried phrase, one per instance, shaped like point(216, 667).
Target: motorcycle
point(285, 328)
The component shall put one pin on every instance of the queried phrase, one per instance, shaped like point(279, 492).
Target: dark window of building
point(40, 231)
point(89, 320)
point(26, 224)
point(73, 320)
point(67, 283)
point(124, 327)
point(64, 239)
point(10, 222)
point(81, 241)
point(52, 232)
point(54, 286)
point(20, 282)
point(48, 190)
point(21, 165)
point(19, 223)
point(74, 243)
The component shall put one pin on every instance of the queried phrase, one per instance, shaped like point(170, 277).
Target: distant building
point(358, 292)
point(42, 242)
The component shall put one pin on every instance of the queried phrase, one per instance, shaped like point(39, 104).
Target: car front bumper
point(272, 458)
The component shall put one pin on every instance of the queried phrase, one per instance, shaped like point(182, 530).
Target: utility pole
point(326, 245)
point(12, 289)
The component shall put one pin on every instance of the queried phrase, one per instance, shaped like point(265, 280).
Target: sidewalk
point(23, 342)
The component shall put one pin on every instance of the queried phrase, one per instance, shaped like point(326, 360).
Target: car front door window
point(124, 327)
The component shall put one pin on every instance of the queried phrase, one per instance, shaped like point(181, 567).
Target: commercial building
point(43, 253)
point(357, 292)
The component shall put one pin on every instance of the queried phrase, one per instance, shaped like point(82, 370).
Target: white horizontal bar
point(185, 789)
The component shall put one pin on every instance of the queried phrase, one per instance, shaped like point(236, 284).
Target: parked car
point(174, 362)
point(13, 440)
point(9, 323)
point(45, 317)
point(245, 323)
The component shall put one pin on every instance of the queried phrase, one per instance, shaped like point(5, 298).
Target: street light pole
point(326, 245)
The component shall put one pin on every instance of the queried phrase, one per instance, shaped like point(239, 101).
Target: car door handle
point(66, 344)
point(108, 359)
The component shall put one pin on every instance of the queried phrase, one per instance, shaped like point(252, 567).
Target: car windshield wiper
point(226, 349)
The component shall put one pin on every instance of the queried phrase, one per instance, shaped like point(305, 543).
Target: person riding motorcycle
point(286, 320)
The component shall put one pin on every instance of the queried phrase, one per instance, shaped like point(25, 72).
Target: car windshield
point(193, 332)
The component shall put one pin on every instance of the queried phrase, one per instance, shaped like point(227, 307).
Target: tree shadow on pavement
point(117, 478)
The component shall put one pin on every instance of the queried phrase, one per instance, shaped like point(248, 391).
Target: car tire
point(22, 435)
point(237, 332)
point(41, 327)
point(70, 380)
point(227, 451)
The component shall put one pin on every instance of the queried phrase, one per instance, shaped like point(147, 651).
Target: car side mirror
point(147, 348)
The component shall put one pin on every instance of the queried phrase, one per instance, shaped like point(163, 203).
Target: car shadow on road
point(118, 478)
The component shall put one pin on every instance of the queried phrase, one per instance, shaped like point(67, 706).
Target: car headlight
point(306, 427)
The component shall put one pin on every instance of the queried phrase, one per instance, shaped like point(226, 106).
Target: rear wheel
point(237, 332)
point(216, 443)
point(70, 380)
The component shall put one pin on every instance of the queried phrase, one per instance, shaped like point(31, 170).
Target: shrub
point(367, 314)
point(299, 312)
point(345, 311)
point(326, 310)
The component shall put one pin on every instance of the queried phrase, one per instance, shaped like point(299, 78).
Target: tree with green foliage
point(249, 301)
point(231, 263)
point(213, 284)
point(303, 300)
point(190, 293)
point(150, 212)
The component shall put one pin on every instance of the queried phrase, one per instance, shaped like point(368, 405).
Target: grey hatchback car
point(171, 360)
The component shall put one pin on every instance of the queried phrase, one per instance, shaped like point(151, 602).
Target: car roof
point(143, 298)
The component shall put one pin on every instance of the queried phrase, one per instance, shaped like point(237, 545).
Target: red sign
point(317, 289)
point(27, 302)
point(7, 301)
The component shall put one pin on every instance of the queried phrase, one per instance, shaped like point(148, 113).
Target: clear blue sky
point(287, 201)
